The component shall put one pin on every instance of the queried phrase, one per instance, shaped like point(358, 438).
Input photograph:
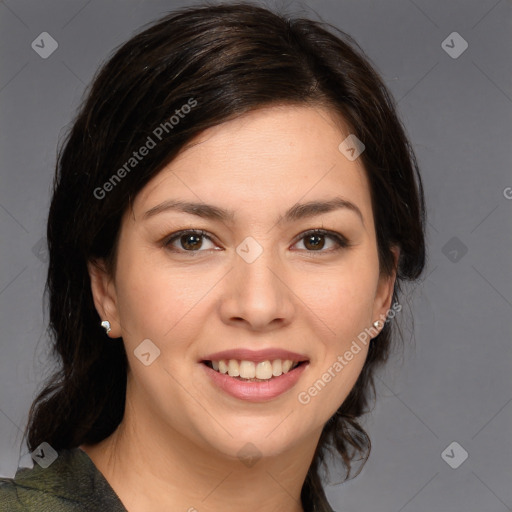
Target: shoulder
point(15, 497)
point(9, 501)
point(70, 483)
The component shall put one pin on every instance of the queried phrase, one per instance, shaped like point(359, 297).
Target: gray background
point(452, 380)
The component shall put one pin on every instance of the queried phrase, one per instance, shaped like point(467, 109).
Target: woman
point(234, 210)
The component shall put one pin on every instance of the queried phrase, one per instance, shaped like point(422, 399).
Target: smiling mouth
point(249, 371)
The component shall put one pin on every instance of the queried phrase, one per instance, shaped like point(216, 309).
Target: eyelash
point(339, 239)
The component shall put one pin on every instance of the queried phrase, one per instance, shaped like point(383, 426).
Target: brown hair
point(231, 58)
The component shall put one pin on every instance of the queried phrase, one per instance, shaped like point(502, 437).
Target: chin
point(268, 439)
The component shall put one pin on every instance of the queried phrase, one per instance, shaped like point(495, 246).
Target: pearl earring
point(376, 324)
point(106, 325)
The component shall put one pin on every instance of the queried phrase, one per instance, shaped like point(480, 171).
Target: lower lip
point(256, 391)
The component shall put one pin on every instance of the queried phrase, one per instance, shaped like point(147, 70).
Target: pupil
point(315, 244)
point(191, 241)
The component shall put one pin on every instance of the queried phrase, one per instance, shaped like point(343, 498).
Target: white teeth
point(264, 370)
point(233, 370)
point(247, 369)
point(287, 365)
point(223, 367)
point(277, 368)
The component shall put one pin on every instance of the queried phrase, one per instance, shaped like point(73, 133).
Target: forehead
point(271, 156)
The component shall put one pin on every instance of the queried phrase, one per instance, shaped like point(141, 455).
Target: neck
point(153, 468)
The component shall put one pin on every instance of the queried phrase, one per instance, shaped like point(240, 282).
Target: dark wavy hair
point(231, 58)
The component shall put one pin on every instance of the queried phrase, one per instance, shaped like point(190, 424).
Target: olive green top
point(70, 483)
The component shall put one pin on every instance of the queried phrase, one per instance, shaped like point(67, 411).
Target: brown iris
point(314, 241)
point(191, 241)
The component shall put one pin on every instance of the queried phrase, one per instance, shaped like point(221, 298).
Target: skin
point(177, 445)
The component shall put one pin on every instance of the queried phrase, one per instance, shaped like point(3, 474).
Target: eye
point(315, 240)
point(189, 241)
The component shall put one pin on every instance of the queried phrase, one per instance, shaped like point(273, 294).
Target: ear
point(104, 295)
point(384, 294)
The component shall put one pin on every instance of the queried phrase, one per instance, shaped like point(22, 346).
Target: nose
point(257, 294)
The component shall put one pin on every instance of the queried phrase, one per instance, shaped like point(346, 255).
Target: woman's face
point(257, 280)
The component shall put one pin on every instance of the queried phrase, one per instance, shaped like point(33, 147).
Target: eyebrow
point(296, 212)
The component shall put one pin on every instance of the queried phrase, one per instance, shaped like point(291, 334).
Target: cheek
point(142, 291)
point(342, 298)
point(344, 305)
point(344, 302)
point(159, 302)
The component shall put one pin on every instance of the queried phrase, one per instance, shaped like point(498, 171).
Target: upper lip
point(243, 354)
